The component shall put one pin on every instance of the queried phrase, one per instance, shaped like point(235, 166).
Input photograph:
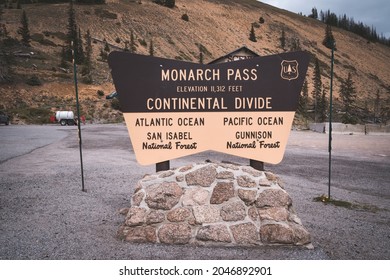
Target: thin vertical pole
point(78, 117)
point(330, 120)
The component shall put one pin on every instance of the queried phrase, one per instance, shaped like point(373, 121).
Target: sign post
point(241, 54)
point(161, 166)
point(173, 108)
point(330, 119)
point(78, 118)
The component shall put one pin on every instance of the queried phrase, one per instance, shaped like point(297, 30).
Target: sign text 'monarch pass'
point(174, 108)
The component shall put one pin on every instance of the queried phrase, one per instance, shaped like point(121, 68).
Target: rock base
point(213, 204)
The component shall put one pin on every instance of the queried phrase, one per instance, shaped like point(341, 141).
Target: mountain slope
point(219, 27)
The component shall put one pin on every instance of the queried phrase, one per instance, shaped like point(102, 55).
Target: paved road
point(44, 214)
point(20, 140)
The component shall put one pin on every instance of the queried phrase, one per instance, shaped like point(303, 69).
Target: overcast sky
point(372, 12)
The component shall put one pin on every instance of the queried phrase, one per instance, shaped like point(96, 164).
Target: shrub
point(261, 20)
point(166, 3)
point(115, 104)
point(185, 17)
point(87, 79)
point(170, 3)
point(143, 42)
point(252, 35)
point(105, 14)
point(34, 81)
point(256, 25)
point(33, 115)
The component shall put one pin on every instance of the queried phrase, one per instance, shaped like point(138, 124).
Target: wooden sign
point(174, 108)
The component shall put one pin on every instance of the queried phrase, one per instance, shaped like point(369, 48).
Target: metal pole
point(78, 118)
point(162, 166)
point(256, 164)
point(330, 119)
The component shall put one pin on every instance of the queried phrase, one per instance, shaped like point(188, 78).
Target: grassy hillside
point(217, 27)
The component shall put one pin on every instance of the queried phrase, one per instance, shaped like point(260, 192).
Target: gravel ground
point(45, 215)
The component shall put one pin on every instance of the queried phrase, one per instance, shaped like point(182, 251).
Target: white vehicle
point(65, 117)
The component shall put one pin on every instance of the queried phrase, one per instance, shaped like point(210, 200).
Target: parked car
point(4, 118)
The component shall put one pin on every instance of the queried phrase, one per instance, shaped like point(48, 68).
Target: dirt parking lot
point(45, 215)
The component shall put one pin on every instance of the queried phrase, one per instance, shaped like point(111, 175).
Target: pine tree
point(88, 48)
point(6, 58)
point(316, 93)
point(377, 107)
point(329, 40)
point(126, 48)
point(73, 42)
point(106, 46)
point(71, 37)
point(103, 55)
point(201, 50)
point(3, 28)
point(63, 63)
point(170, 3)
point(4, 34)
point(304, 100)
point(322, 105)
point(105, 50)
point(24, 30)
point(295, 44)
point(88, 54)
point(3, 31)
point(133, 47)
point(151, 48)
point(80, 49)
point(283, 40)
point(314, 13)
point(160, 2)
point(386, 107)
point(348, 98)
point(252, 35)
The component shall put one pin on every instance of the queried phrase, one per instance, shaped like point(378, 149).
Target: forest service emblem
point(289, 70)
